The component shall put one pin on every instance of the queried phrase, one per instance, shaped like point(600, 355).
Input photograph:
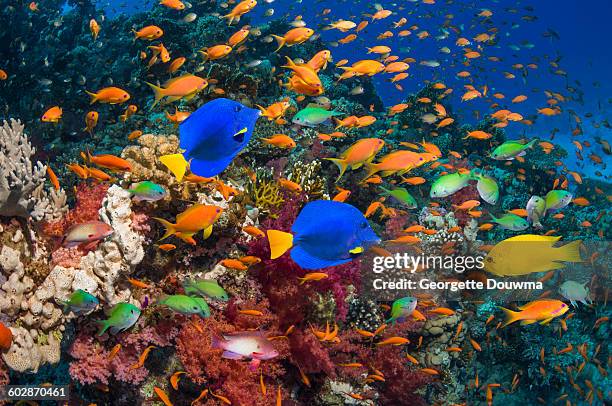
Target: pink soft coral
point(91, 364)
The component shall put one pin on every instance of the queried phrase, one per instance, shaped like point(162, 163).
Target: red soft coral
point(230, 378)
point(88, 202)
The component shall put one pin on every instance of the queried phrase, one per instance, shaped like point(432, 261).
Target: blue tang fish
point(215, 133)
point(325, 233)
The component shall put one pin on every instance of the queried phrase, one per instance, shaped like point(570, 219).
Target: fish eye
point(364, 225)
point(237, 108)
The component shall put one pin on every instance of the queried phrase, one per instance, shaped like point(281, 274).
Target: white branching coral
point(22, 192)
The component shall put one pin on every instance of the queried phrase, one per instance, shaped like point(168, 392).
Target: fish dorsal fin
point(169, 82)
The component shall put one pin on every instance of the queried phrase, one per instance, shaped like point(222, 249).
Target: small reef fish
point(205, 287)
point(147, 191)
point(401, 309)
point(112, 162)
point(313, 115)
point(325, 233)
point(402, 196)
point(186, 305)
point(196, 218)
point(357, 154)
point(536, 209)
point(53, 115)
point(110, 95)
point(511, 149)
point(449, 184)
point(122, 317)
point(239, 10)
point(295, 36)
point(181, 87)
point(575, 292)
point(245, 345)
point(150, 32)
point(510, 221)
point(543, 310)
point(86, 233)
point(557, 199)
point(80, 302)
point(529, 253)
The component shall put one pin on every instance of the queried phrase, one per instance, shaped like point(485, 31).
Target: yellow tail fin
point(341, 164)
point(158, 91)
point(280, 41)
point(170, 230)
point(280, 242)
point(372, 169)
point(511, 316)
point(94, 97)
point(176, 163)
point(570, 252)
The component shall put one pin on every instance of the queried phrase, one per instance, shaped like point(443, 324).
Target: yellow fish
point(529, 253)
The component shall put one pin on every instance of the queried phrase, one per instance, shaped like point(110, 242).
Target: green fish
point(313, 115)
point(448, 184)
point(487, 188)
point(205, 287)
point(511, 149)
point(402, 196)
point(147, 191)
point(122, 317)
point(80, 302)
point(401, 309)
point(511, 221)
point(186, 305)
point(557, 199)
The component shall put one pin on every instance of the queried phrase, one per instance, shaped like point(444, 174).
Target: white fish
point(429, 118)
point(190, 17)
point(431, 64)
point(357, 90)
point(575, 292)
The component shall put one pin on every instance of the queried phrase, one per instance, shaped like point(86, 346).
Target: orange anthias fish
point(111, 95)
point(91, 120)
point(280, 141)
point(357, 154)
point(294, 36)
point(94, 28)
point(197, 218)
point(398, 162)
point(150, 32)
point(173, 4)
point(313, 276)
point(53, 115)
point(186, 86)
point(274, 111)
point(239, 10)
point(178, 116)
point(112, 162)
point(216, 52)
point(543, 310)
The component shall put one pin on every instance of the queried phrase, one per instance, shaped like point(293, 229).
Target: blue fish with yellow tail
point(212, 136)
point(325, 233)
